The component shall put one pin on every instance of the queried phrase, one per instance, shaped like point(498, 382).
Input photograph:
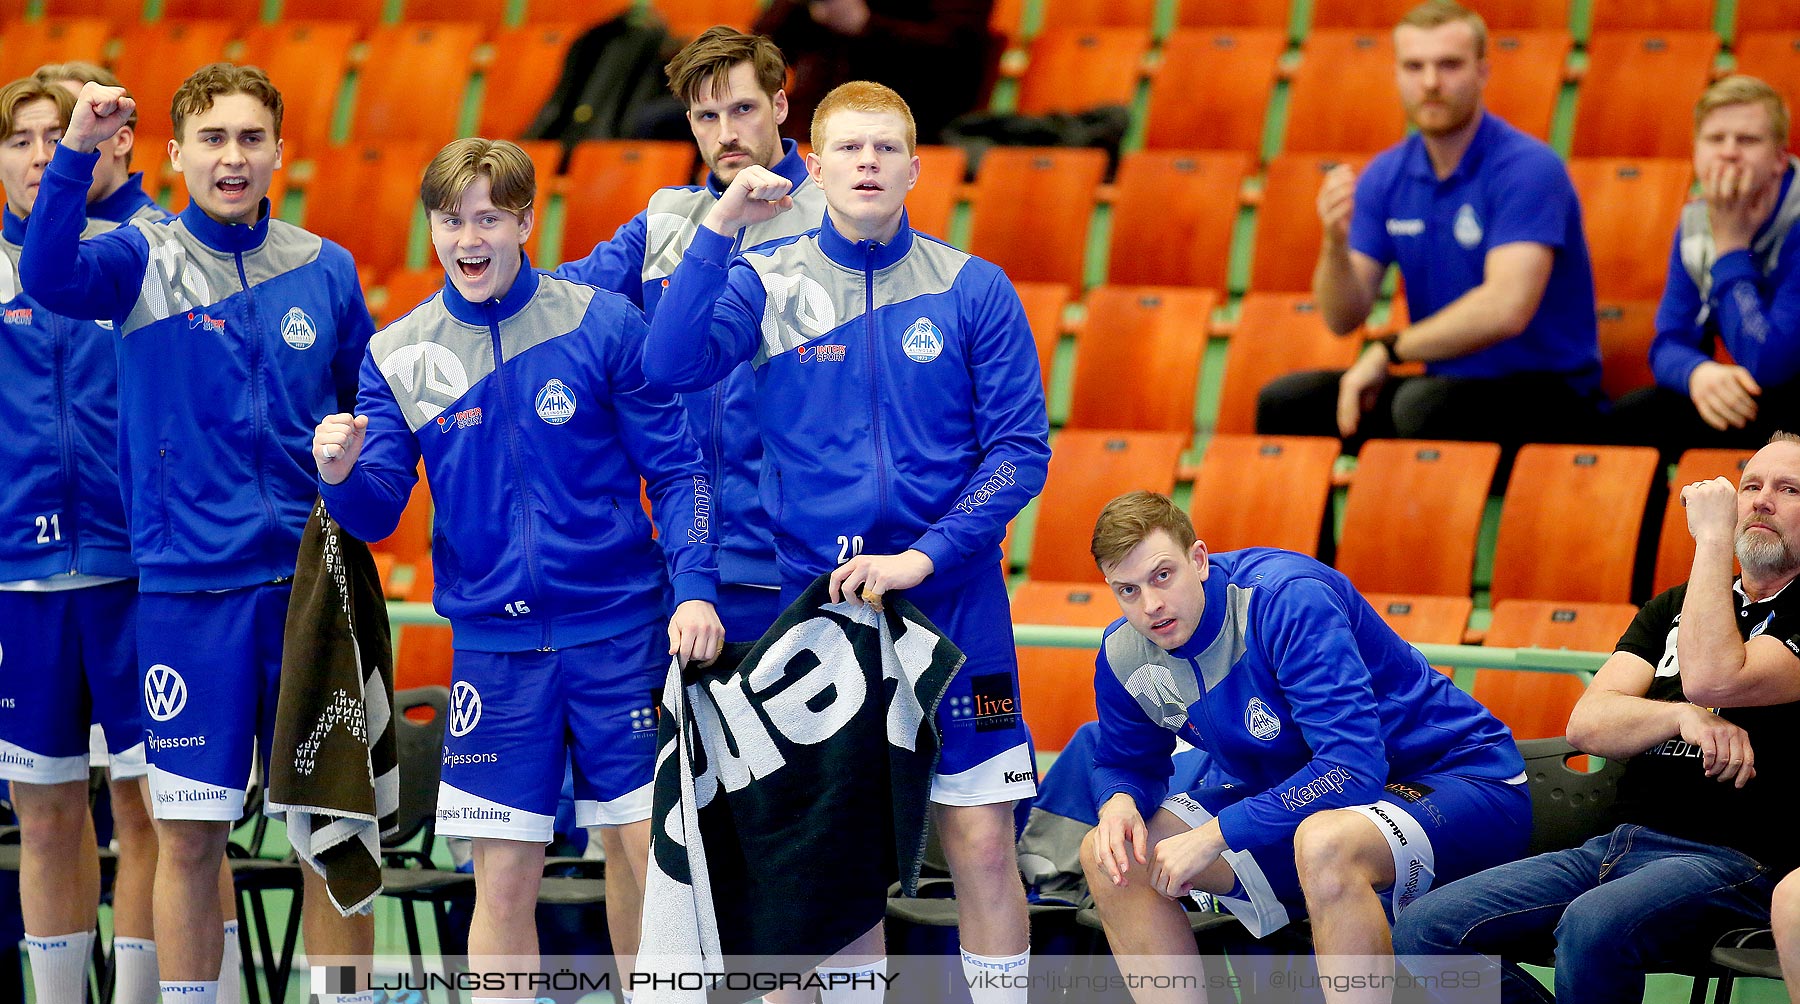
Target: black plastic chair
point(1570, 807)
point(1746, 952)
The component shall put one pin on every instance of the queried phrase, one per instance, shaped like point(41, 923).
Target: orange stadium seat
point(1287, 223)
point(1232, 14)
point(1032, 206)
point(1630, 208)
point(1075, 69)
point(546, 156)
point(593, 12)
point(1675, 547)
point(422, 652)
point(1172, 217)
point(1527, 77)
point(1569, 526)
point(411, 85)
point(1044, 303)
point(1758, 17)
point(527, 62)
point(1634, 79)
point(225, 10)
point(1212, 89)
point(1056, 685)
point(687, 18)
point(610, 181)
point(1088, 467)
point(1772, 55)
point(491, 14)
point(1007, 18)
point(1413, 515)
point(1536, 705)
point(1240, 475)
point(931, 205)
point(1424, 620)
point(1277, 334)
point(410, 543)
point(375, 226)
point(1658, 15)
point(1098, 14)
point(154, 59)
point(27, 45)
point(308, 60)
point(1627, 327)
point(363, 12)
point(406, 289)
point(1150, 329)
point(1507, 15)
point(1343, 96)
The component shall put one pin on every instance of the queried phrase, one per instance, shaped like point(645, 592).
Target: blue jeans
point(1621, 905)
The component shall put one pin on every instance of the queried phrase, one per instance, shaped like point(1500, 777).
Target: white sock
point(1015, 970)
point(190, 991)
point(231, 970)
point(860, 984)
point(134, 971)
point(59, 966)
point(624, 995)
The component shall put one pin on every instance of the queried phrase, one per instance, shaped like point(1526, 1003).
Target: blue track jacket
point(59, 391)
point(234, 342)
point(635, 263)
point(897, 387)
point(1296, 687)
point(534, 423)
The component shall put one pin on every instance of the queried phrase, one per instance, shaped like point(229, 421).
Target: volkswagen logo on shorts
point(465, 708)
point(165, 692)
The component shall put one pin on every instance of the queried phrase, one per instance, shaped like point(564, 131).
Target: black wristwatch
point(1387, 345)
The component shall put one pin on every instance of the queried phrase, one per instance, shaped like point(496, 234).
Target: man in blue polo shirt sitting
point(1484, 223)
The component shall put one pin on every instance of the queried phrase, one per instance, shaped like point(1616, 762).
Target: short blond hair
point(1437, 13)
point(217, 80)
point(863, 96)
point(1740, 89)
point(1131, 518)
point(24, 91)
point(512, 180)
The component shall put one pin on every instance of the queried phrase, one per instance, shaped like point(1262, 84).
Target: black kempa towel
point(793, 780)
point(333, 768)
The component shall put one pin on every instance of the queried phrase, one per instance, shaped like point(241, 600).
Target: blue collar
point(493, 311)
point(1418, 159)
point(125, 200)
point(226, 238)
point(860, 255)
point(1212, 617)
point(791, 166)
point(14, 227)
point(115, 208)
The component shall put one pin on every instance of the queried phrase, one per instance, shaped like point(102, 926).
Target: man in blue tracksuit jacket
point(903, 420)
point(732, 85)
point(1364, 775)
point(236, 334)
point(68, 588)
point(524, 394)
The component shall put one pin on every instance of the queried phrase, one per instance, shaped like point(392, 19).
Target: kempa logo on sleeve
point(556, 402)
point(297, 329)
point(465, 708)
point(165, 692)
